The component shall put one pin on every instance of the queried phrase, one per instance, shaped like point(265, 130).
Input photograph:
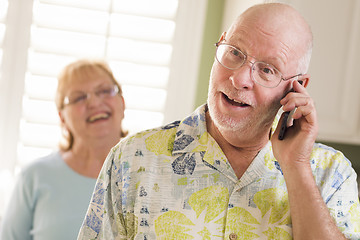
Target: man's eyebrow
point(277, 62)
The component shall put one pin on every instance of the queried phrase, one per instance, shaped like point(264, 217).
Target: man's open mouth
point(234, 102)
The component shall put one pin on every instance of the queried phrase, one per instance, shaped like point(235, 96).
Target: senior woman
point(51, 195)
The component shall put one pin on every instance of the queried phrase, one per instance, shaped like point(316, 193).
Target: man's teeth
point(98, 116)
point(236, 101)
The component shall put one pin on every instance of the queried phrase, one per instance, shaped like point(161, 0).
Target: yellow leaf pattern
point(213, 199)
point(273, 199)
point(277, 234)
point(213, 151)
point(355, 216)
point(242, 223)
point(172, 225)
point(161, 142)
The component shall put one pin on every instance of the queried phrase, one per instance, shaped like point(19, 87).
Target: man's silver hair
point(304, 61)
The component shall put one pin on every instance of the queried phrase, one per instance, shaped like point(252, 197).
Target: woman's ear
point(123, 101)
point(62, 120)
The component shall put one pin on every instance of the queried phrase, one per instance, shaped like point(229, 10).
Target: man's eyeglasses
point(81, 97)
point(262, 73)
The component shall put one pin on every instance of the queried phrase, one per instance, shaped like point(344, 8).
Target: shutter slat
point(139, 51)
point(40, 87)
point(39, 135)
point(69, 43)
point(69, 18)
point(144, 98)
point(145, 28)
point(102, 5)
point(40, 112)
point(47, 64)
point(155, 8)
point(133, 116)
point(146, 75)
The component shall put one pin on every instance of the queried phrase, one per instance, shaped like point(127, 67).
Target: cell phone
point(287, 119)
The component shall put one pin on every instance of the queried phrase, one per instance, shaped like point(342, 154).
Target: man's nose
point(241, 77)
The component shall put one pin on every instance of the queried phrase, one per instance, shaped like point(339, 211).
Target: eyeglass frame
point(115, 90)
point(252, 65)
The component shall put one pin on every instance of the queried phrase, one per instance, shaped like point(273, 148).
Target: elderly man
point(222, 173)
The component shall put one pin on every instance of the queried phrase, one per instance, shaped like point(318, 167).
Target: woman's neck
point(87, 157)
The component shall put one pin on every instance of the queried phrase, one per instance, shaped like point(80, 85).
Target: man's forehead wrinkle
point(237, 39)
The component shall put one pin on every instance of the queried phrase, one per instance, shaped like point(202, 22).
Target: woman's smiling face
point(96, 116)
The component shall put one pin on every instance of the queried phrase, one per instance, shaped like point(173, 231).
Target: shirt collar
point(190, 131)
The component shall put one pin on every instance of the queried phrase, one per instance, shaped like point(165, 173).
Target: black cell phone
point(285, 120)
point(283, 126)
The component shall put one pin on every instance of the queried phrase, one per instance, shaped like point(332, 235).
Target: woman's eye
point(104, 92)
point(79, 98)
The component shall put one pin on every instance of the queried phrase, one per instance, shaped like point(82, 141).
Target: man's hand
point(299, 139)
point(309, 214)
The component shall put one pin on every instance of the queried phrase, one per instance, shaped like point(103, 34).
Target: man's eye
point(268, 70)
point(235, 52)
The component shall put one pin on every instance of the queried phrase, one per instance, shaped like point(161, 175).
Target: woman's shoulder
point(44, 163)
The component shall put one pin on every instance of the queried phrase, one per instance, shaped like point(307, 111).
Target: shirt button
point(233, 236)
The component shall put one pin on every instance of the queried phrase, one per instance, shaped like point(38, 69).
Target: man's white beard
point(247, 124)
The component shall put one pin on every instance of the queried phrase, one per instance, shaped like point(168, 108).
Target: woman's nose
point(93, 99)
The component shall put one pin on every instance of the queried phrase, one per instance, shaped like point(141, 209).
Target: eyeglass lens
point(262, 73)
point(81, 97)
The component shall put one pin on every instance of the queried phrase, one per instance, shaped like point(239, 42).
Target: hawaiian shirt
point(175, 182)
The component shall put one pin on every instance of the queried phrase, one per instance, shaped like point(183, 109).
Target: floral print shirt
point(175, 182)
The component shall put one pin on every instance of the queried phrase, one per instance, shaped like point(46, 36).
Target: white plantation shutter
point(152, 46)
point(134, 36)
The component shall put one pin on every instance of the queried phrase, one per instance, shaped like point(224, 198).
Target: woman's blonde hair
point(79, 70)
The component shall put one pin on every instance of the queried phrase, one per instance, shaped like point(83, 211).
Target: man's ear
point(222, 37)
point(305, 78)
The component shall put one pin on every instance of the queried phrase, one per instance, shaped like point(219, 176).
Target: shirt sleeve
point(344, 203)
point(18, 219)
point(104, 218)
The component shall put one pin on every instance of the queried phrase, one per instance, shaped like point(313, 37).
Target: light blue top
point(49, 202)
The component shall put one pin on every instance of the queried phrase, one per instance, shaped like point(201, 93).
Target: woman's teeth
point(98, 116)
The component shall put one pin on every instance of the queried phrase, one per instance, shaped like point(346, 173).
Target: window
point(153, 48)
